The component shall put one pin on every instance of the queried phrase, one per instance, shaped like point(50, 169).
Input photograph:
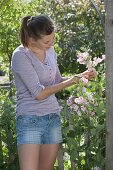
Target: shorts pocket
point(25, 122)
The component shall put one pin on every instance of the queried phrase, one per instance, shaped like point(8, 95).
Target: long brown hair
point(35, 27)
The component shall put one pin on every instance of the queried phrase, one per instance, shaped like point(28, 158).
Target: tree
point(109, 84)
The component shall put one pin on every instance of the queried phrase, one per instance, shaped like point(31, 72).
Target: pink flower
point(84, 55)
point(70, 100)
point(96, 61)
point(80, 100)
point(103, 57)
point(84, 80)
point(83, 58)
point(74, 107)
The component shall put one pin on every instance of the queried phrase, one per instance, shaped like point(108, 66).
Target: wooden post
point(71, 127)
point(60, 159)
point(109, 84)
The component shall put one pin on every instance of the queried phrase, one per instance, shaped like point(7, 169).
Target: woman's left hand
point(89, 74)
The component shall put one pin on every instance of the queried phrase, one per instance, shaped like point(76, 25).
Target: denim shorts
point(33, 129)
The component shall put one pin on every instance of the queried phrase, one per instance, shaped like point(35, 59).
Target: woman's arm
point(22, 66)
point(57, 87)
point(65, 82)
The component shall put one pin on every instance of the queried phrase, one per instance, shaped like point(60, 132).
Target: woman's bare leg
point(48, 154)
point(29, 156)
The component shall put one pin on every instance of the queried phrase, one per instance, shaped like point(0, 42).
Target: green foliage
point(79, 28)
point(84, 135)
point(8, 150)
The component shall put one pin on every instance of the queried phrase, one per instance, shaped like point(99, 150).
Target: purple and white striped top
point(31, 76)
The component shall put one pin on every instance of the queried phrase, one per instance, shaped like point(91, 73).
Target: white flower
point(74, 107)
point(84, 90)
point(92, 113)
point(83, 108)
point(90, 64)
point(89, 96)
point(78, 113)
point(97, 168)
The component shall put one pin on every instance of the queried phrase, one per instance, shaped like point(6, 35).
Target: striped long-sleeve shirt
point(31, 76)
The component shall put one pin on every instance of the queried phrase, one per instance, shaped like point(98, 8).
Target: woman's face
point(45, 42)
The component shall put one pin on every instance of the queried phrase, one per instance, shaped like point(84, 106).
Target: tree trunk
point(109, 84)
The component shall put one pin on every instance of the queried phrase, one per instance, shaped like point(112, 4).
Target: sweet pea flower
point(81, 104)
point(89, 96)
point(70, 100)
point(83, 108)
point(90, 65)
point(80, 100)
point(74, 107)
point(83, 58)
point(84, 80)
point(96, 61)
point(103, 57)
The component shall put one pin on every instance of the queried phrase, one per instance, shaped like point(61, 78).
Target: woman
point(37, 79)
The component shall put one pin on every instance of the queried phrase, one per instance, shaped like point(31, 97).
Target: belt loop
point(49, 116)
